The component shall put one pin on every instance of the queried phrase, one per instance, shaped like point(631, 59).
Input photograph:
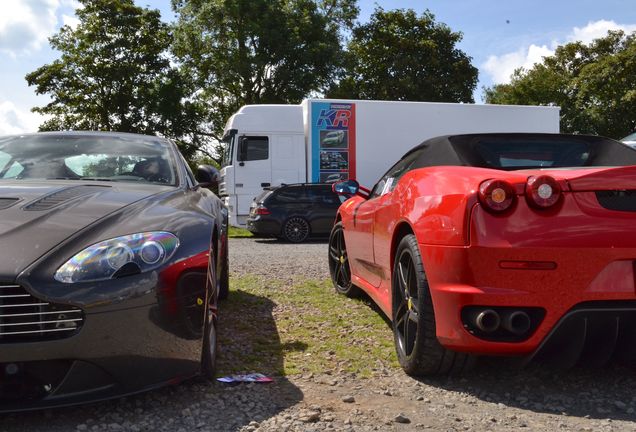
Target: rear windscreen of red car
point(523, 151)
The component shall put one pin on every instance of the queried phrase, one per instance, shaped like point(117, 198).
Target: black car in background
point(294, 212)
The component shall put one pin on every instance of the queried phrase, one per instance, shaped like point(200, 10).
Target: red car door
point(360, 242)
point(364, 248)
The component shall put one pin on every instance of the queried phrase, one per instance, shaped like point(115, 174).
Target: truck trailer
point(323, 140)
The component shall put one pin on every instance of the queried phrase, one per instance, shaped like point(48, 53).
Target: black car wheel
point(418, 350)
point(209, 348)
point(296, 230)
point(339, 263)
point(224, 279)
point(208, 357)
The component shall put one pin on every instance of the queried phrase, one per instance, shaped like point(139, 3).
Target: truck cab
point(264, 147)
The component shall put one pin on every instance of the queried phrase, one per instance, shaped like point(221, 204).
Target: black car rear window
point(290, 195)
point(262, 196)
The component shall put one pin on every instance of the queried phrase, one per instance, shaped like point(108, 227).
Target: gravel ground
point(283, 261)
point(495, 396)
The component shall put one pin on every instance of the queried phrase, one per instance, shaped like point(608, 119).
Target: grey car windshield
point(86, 157)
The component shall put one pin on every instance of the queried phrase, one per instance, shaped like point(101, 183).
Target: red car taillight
point(543, 191)
point(496, 195)
point(262, 210)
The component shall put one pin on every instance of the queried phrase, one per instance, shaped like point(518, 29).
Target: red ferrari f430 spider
point(500, 245)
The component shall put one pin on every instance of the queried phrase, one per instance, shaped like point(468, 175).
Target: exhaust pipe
point(517, 322)
point(487, 321)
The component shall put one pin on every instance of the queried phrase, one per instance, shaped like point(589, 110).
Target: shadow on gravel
point(248, 342)
point(275, 241)
point(248, 336)
point(592, 393)
point(600, 393)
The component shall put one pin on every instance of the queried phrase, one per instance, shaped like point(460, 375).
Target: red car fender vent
point(496, 195)
point(543, 192)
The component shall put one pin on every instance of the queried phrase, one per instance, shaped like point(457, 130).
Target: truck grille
point(619, 200)
point(24, 318)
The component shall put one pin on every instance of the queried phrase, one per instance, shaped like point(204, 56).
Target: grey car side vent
point(61, 196)
point(5, 203)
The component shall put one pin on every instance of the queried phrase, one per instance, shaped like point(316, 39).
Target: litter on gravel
point(247, 378)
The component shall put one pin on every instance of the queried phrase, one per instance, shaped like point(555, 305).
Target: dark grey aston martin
point(112, 259)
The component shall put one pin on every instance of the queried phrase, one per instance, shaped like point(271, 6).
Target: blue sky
point(499, 35)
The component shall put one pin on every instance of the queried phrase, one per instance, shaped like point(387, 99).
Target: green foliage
point(595, 86)
point(242, 52)
point(399, 55)
point(235, 232)
point(114, 74)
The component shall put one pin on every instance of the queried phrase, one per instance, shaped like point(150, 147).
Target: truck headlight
point(130, 254)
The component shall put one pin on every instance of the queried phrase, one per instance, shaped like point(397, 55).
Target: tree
point(258, 51)
point(594, 84)
point(399, 55)
point(114, 74)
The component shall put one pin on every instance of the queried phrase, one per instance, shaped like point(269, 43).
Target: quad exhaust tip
point(501, 323)
point(487, 321)
point(518, 322)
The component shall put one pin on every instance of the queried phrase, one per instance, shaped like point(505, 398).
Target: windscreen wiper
point(98, 179)
point(63, 178)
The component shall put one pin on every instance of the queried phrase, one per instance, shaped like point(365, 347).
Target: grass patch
point(273, 328)
point(234, 232)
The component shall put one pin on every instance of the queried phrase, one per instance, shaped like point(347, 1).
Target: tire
point(210, 348)
point(418, 350)
point(339, 263)
point(210, 345)
point(224, 275)
point(296, 229)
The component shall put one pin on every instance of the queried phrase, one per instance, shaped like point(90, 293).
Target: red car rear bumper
point(594, 267)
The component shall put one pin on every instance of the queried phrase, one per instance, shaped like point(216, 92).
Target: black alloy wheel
point(406, 299)
point(296, 229)
point(339, 263)
point(414, 330)
point(210, 344)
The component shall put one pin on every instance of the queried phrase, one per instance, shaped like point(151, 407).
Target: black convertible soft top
point(513, 151)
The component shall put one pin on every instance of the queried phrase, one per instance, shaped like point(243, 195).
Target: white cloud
point(597, 29)
point(499, 68)
point(74, 4)
point(71, 21)
point(14, 120)
point(25, 25)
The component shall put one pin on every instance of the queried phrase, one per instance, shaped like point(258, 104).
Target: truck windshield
point(228, 149)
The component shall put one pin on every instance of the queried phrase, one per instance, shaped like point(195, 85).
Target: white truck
point(326, 140)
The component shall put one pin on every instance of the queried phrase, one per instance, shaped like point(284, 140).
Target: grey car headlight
point(130, 254)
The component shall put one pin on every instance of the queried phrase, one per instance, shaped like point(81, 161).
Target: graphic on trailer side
point(333, 141)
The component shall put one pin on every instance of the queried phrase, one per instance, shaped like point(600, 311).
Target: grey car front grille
point(24, 318)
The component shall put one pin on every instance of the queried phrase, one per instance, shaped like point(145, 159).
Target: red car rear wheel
point(418, 349)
